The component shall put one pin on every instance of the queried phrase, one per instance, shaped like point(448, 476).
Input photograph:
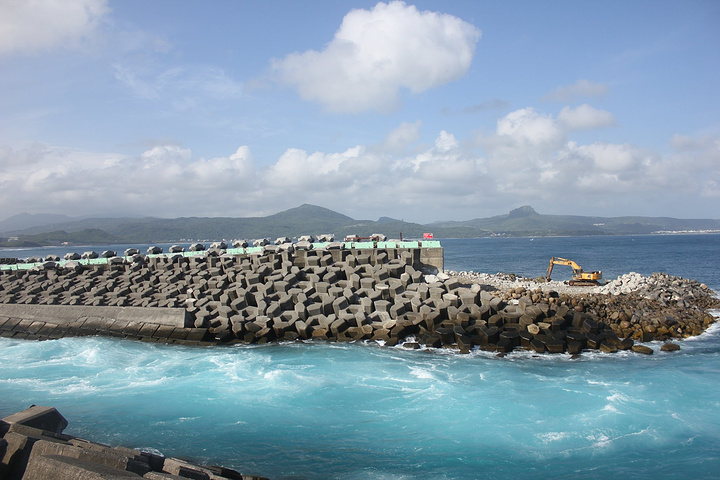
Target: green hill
point(314, 220)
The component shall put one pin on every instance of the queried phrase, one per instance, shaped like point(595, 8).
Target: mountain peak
point(524, 211)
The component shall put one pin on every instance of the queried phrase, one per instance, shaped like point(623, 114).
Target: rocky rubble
point(33, 447)
point(634, 306)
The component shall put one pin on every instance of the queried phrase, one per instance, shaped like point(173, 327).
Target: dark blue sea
point(361, 411)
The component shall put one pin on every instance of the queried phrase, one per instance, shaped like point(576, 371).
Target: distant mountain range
point(31, 230)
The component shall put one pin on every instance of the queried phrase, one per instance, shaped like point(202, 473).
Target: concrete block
point(381, 274)
point(339, 304)
point(396, 310)
point(303, 329)
point(315, 309)
point(163, 331)
point(107, 457)
point(67, 468)
point(43, 418)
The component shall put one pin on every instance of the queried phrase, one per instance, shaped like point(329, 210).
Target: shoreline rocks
point(642, 308)
point(338, 294)
point(33, 447)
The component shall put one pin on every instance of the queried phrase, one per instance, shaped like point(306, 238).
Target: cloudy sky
point(421, 111)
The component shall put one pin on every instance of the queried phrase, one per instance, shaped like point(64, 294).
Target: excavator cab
point(580, 277)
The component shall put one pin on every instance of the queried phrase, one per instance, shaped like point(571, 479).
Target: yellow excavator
point(580, 277)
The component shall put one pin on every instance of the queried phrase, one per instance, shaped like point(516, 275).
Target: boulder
point(645, 350)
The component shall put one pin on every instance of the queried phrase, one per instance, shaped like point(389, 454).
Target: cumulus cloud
point(528, 159)
point(401, 137)
point(688, 143)
point(611, 157)
point(693, 154)
point(446, 142)
point(27, 26)
point(585, 117)
point(164, 180)
point(581, 88)
point(376, 53)
point(296, 170)
point(528, 127)
point(522, 137)
point(531, 157)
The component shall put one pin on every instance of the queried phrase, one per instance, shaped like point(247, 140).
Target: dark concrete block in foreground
point(106, 457)
point(67, 468)
point(44, 418)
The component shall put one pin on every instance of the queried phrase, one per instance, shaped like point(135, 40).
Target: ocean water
point(362, 411)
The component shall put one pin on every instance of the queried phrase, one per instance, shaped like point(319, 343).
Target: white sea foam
point(421, 373)
point(596, 382)
point(551, 437)
point(364, 402)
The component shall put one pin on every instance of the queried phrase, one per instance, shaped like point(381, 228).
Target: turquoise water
point(360, 411)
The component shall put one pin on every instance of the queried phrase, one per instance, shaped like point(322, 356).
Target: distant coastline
point(28, 231)
point(26, 245)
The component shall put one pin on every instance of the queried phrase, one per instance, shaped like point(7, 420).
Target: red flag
point(427, 235)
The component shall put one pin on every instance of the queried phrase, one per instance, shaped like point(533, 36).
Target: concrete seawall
point(46, 322)
point(198, 297)
point(339, 294)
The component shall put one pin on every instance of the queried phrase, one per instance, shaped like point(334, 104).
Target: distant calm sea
point(360, 411)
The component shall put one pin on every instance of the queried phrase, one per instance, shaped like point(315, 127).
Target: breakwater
point(330, 293)
point(33, 447)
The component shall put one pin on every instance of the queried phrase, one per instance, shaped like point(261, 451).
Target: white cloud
point(165, 180)
point(613, 158)
point(401, 137)
point(585, 117)
point(521, 137)
point(376, 53)
point(446, 142)
point(528, 127)
point(688, 143)
point(441, 180)
point(184, 88)
point(581, 88)
point(530, 157)
point(296, 170)
point(27, 26)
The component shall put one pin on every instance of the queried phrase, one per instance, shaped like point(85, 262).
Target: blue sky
point(422, 111)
